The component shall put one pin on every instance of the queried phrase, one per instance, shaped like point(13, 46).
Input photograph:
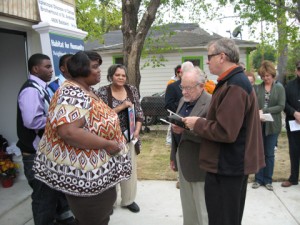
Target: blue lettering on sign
point(61, 45)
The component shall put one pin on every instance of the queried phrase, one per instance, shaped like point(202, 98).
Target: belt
point(26, 153)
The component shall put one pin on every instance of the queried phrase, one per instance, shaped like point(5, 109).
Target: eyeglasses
point(188, 89)
point(212, 55)
point(298, 68)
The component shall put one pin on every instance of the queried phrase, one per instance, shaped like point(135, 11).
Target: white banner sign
point(57, 13)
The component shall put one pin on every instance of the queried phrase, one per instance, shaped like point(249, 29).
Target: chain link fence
point(153, 108)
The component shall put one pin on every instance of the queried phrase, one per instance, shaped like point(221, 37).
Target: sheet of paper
point(294, 126)
point(266, 117)
point(134, 141)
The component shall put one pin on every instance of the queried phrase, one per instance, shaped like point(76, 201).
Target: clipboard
point(175, 119)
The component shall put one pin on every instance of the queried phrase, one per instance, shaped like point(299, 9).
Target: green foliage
point(293, 57)
point(98, 17)
point(278, 21)
point(156, 44)
point(266, 52)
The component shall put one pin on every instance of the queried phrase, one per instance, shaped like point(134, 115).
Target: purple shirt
point(32, 107)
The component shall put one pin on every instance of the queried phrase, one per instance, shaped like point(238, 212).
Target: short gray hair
point(200, 74)
point(186, 66)
point(227, 46)
point(197, 74)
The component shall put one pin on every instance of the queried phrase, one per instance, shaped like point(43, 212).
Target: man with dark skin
point(32, 110)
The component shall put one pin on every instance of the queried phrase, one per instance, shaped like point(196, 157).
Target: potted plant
point(8, 171)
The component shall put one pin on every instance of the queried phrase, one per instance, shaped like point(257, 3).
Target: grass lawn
point(153, 162)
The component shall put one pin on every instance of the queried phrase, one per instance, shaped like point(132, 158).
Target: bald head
point(186, 66)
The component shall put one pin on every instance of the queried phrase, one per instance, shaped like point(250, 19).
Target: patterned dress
point(74, 171)
point(133, 96)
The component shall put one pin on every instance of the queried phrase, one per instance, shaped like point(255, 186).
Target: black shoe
point(133, 207)
point(68, 221)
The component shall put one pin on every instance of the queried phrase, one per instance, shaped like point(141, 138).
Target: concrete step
point(15, 207)
point(19, 215)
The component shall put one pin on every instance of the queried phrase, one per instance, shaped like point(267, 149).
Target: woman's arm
point(73, 134)
point(138, 126)
point(124, 105)
point(280, 101)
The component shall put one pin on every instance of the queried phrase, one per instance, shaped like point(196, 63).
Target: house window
point(196, 60)
point(118, 60)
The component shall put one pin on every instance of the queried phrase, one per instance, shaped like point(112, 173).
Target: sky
point(226, 26)
point(220, 25)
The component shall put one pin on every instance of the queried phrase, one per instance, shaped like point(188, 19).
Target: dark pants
point(264, 175)
point(47, 203)
point(294, 149)
point(94, 210)
point(225, 198)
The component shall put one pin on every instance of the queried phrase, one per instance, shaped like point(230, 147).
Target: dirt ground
point(153, 162)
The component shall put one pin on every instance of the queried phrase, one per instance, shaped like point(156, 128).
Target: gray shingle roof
point(185, 35)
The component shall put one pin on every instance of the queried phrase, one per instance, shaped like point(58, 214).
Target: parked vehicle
point(153, 108)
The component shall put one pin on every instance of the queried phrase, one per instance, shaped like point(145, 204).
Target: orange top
point(209, 86)
point(170, 81)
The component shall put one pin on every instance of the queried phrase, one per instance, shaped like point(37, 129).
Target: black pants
point(47, 204)
point(294, 149)
point(94, 210)
point(225, 198)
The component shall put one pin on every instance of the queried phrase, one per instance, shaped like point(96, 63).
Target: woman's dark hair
point(79, 64)
point(63, 59)
point(112, 69)
point(176, 68)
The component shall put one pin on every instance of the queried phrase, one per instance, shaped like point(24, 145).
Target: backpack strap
point(42, 90)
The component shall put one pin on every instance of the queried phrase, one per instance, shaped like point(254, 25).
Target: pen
point(174, 113)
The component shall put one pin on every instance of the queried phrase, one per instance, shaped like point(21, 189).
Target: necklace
point(86, 89)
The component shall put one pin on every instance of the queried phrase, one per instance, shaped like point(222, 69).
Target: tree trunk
point(282, 43)
point(134, 35)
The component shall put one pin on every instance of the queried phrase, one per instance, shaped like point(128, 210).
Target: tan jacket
point(189, 145)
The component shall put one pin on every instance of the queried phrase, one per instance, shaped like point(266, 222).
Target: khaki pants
point(192, 200)
point(129, 187)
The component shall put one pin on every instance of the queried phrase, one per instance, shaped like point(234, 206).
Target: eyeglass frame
point(188, 89)
point(212, 55)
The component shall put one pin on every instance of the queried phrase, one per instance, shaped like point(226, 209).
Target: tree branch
point(295, 11)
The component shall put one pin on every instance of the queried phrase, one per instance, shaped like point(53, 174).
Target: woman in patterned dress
point(83, 152)
point(120, 96)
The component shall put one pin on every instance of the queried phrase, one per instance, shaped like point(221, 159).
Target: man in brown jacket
point(231, 147)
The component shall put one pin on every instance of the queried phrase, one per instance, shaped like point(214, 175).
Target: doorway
point(13, 73)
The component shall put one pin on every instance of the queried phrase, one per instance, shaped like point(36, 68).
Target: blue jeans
point(264, 175)
point(46, 202)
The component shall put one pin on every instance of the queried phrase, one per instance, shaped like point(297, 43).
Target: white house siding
point(154, 80)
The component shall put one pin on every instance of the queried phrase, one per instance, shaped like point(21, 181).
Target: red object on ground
point(7, 182)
